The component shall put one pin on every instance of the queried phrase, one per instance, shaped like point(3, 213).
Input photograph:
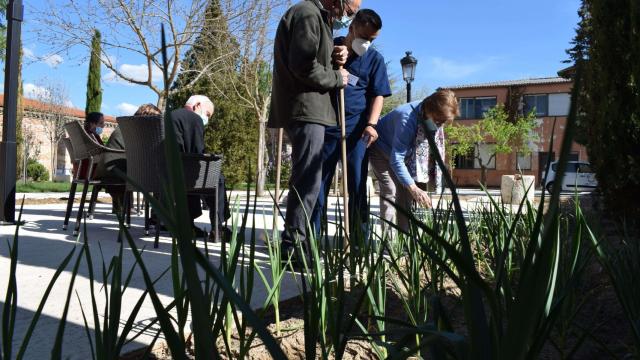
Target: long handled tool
point(345, 188)
point(278, 172)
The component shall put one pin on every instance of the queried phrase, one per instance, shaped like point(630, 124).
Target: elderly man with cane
point(303, 80)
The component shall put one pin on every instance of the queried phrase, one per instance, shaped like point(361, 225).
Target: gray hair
point(195, 99)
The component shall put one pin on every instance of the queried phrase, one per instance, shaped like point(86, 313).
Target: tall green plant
point(94, 87)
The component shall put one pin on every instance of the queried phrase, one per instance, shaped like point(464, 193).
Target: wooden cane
point(278, 173)
point(345, 188)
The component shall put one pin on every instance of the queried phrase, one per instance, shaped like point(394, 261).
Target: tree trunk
point(262, 149)
point(483, 175)
point(162, 101)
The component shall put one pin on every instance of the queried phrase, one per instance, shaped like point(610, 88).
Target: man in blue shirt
point(364, 96)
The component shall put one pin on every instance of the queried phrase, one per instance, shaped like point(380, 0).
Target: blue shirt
point(397, 137)
point(369, 80)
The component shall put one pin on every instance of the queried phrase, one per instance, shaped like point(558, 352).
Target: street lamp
point(408, 71)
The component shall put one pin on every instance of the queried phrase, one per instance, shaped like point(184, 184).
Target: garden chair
point(146, 163)
point(83, 147)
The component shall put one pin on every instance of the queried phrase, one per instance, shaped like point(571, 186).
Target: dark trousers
point(357, 168)
point(307, 140)
point(219, 210)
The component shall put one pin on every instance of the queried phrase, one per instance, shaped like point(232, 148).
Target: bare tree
point(130, 27)
point(53, 108)
point(253, 23)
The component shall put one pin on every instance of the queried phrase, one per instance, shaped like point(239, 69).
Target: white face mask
point(204, 117)
point(360, 46)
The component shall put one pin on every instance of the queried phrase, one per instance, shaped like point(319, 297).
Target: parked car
point(578, 176)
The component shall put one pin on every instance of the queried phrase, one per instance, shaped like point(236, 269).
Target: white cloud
point(450, 69)
point(32, 91)
point(136, 72)
point(28, 53)
point(68, 103)
point(126, 108)
point(53, 60)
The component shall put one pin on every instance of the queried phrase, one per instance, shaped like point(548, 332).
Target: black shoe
point(224, 235)
point(199, 233)
point(289, 254)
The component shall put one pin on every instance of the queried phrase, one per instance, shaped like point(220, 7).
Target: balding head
point(201, 105)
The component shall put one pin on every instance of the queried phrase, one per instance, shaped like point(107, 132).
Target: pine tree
point(94, 88)
point(232, 130)
point(610, 101)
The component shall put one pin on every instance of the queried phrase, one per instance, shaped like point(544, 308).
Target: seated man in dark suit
point(189, 125)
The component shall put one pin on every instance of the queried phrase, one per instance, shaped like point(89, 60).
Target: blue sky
point(455, 42)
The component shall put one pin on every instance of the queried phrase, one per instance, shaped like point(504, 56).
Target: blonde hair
point(436, 103)
point(148, 109)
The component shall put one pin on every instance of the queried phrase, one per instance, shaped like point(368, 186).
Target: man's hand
point(420, 196)
point(340, 55)
point(345, 77)
point(370, 135)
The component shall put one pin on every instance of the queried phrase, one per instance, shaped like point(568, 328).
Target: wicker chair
point(146, 162)
point(83, 147)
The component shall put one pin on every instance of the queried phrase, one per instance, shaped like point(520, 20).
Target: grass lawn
point(45, 186)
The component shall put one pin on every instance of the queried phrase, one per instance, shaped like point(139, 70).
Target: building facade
point(550, 97)
point(36, 130)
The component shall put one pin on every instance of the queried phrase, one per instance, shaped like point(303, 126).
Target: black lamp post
point(8, 147)
point(408, 71)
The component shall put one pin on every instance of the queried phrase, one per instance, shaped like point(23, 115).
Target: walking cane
point(278, 172)
point(345, 189)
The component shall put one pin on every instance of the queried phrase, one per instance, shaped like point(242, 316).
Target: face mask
point(204, 117)
point(342, 23)
point(99, 130)
point(360, 46)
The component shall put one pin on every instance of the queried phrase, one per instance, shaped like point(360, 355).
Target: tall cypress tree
point(94, 88)
point(232, 131)
point(607, 46)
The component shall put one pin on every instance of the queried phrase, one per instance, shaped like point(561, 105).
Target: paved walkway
point(43, 245)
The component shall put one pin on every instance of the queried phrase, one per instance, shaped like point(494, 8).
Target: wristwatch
point(372, 125)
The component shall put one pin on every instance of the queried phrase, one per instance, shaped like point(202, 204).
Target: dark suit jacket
point(189, 131)
point(190, 137)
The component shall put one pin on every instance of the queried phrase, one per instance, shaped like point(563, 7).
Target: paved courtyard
point(43, 245)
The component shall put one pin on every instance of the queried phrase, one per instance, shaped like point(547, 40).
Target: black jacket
point(189, 131)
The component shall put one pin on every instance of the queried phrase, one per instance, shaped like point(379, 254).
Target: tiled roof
point(69, 111)
point(523, 82)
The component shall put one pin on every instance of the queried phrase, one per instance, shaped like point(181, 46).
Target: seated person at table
point(189, 123)
point(94, 126)
point(401, 157)
point(111, 161)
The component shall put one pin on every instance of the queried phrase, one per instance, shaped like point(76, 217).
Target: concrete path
point(43, 245)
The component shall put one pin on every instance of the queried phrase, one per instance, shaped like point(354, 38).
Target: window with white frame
point(538, 102)
point(523, 161)
point(559, 104)
point(485, 152)
point(474, 108)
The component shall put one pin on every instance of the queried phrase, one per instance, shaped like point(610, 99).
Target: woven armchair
point(83, 147)
point(146, 161)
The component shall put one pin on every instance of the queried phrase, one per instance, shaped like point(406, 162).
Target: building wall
point(34, 129)
point(506, 163)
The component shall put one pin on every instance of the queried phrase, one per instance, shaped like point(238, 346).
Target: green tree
point(94, 88)
point(606, 47)
point(233, 130)
point(495, 129)
point(3, 28)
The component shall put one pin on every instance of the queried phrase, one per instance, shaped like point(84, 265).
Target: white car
point(578, 177)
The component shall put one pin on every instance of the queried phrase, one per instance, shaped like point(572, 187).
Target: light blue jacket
point(397, 138)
